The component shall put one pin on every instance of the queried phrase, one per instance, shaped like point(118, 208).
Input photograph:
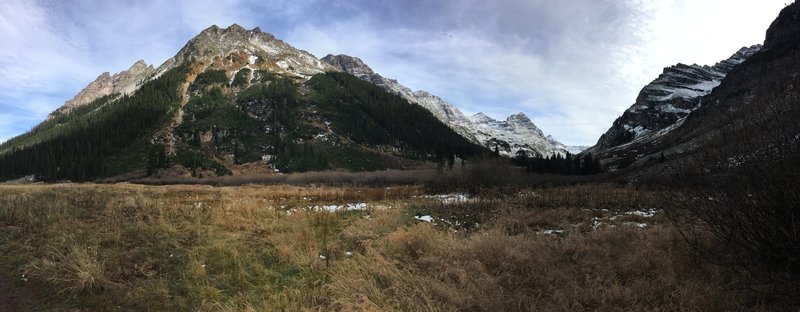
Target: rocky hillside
point(663, 103)
point(516, 133)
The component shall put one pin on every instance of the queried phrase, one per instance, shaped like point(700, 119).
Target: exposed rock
point(124, 82)
point(234, 48)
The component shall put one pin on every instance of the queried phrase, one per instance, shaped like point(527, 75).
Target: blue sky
point(572, 66)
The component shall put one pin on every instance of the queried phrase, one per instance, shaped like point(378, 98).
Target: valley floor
point(265, 248)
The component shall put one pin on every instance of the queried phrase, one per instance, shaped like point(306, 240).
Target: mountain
point(516, 133)
point(748, 116)
point(663, 103)
point(231, 101)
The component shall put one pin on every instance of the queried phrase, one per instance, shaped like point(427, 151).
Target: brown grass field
point(125, 247)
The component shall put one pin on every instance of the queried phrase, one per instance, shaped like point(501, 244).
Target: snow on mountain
point(669, 98)
point(516, 133)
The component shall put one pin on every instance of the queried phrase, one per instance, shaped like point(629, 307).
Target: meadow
point(280, 247)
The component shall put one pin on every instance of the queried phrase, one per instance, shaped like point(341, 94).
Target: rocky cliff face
point(516, 133)
point(669, 98)
point(124, 82)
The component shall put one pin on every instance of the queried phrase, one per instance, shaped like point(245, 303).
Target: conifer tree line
point(89, 139)
point(557, 164)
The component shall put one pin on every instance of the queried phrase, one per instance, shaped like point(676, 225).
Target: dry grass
point(256, 248)
point(75, 271)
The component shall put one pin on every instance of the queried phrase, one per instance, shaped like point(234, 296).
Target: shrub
point(78, 270)
point(743, 211)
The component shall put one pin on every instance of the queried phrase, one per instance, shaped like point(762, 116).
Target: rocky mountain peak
point(124, 82)
point(235, 47)
point(519, 117)
point(235, 28)
point(522, 124)
point(349, 64)
point(481, 118)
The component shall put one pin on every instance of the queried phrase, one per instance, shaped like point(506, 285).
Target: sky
point(572, 66)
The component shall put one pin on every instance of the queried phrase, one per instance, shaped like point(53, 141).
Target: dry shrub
point(615, 269)
point(76, 271)
point(743, 209)
point(411, 243)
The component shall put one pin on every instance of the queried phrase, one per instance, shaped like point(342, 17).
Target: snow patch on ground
point(425, 218)
point(328, 208)
point(448, 198)
point(636, 224)
point(646, 214)
point(551, 232)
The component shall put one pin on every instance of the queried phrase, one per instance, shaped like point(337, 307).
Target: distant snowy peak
point(669, 98)
point(516, 133)
point(521, 124)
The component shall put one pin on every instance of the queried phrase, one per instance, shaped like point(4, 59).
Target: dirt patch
point(14, 296)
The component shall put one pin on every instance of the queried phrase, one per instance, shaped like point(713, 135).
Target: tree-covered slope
point(83, 144)
point(372, 116)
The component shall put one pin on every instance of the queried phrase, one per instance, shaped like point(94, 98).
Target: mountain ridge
point(518, 132)
point(662, 104)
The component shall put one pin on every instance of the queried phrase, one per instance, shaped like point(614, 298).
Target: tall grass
point(257, 248)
